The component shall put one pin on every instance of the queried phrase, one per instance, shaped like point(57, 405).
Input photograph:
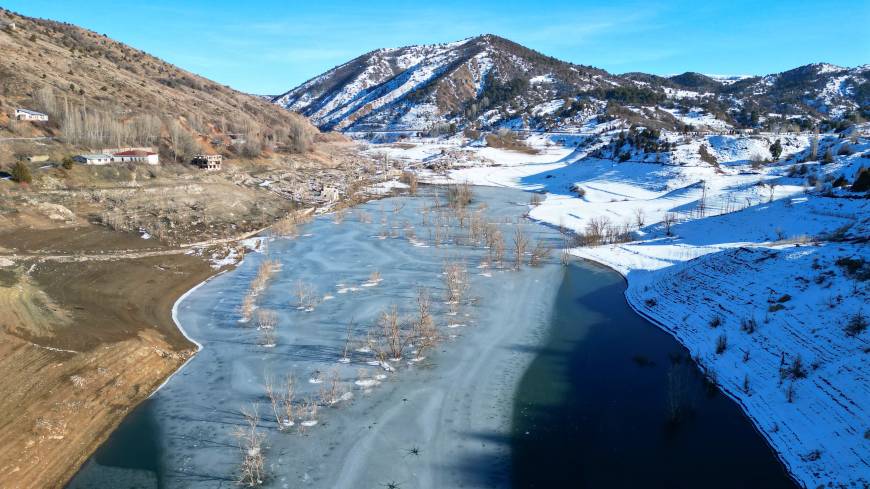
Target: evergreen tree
point(776, 149)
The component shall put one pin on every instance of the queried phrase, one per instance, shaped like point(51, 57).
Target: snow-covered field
point(756, 272)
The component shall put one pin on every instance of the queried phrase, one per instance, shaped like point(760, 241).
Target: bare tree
point(540, 252)
point(668, 221)
point(251, 472)
point(456, 283)
point(267, 323)
point(392, 333)
point(521, 242)
point(333, 390)
point(495, 242)
point(306, 296)
point(425, 332)
point(639, 217)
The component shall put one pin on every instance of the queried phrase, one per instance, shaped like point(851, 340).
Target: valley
point(396, 272)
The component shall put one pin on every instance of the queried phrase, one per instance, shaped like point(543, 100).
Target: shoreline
point(662, 326)
point(500, 337)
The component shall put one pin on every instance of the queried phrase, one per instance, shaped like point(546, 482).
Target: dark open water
point(594, 410)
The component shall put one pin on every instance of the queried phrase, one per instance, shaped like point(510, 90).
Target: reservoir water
point(533, 384)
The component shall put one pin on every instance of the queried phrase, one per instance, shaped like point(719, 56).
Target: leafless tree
point(247, 307)
point(495, 242)
point(668, 221)
point(639, 217)
point(306, 296)
point(333, 390)
point(251, 472)
point(392, 333)
point(425, 331)
point(459, 195)
point(521, 242)
point(410, 178)
point(267, 322)
point(456, 284)
point(540, 252)
point(348, 341)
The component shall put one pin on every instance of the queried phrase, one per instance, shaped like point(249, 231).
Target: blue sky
point(270, 46)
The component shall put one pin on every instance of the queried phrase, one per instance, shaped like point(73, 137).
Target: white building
point(94, 159)
point(136, 156)
point(30, 115)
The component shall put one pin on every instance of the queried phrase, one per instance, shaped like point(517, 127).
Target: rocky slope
point(102, 93)
point(488, 81)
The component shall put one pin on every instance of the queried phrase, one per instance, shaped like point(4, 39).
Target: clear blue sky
point(270, 46)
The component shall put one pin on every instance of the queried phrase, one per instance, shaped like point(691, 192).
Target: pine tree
point(776, 149)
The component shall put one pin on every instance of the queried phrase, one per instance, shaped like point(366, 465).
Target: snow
point(728, 79)
point(697, 117)
point(751, 251)
point(541, 79)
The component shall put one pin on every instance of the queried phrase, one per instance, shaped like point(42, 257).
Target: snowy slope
point(749, 245)
point(488, 82)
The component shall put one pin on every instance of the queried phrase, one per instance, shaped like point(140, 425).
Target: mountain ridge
point(461, 83)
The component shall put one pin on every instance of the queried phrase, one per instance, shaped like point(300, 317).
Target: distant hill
point(488, 82)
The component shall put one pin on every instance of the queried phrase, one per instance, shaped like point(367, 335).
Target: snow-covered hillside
point(488, 82)
point(758, 265)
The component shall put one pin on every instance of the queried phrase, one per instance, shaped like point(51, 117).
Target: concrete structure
point(207, 162)
point(105, 158)
point(136, 156)
point(30, 115)
point(93, 159)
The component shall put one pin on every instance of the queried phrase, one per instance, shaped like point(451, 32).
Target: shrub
point(715, 322)
point(828, 157)
point(856, 325)
point(749, 325)
point(796, 370)
point(67, 163)
point(845, 150)
point(862, 180)
point(775, 307)
point(856, 268)
point(21, 173)
point(721, 344)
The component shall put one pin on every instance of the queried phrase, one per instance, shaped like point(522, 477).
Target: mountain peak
point(490, 81)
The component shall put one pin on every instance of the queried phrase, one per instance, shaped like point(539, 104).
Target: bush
point(721, 344)
point(862, 180)
point(856, 325)
point(828, 157)
point(715, 322)
point(845, 150)
point(796, 370)
point(749, 325)
point(21, 173)
point(67, 163)
point(856, 268)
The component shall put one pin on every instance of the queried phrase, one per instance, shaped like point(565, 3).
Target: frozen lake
point(592, 376)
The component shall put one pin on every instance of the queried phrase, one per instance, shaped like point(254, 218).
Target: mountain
point(487, 82)
point(99, 93)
